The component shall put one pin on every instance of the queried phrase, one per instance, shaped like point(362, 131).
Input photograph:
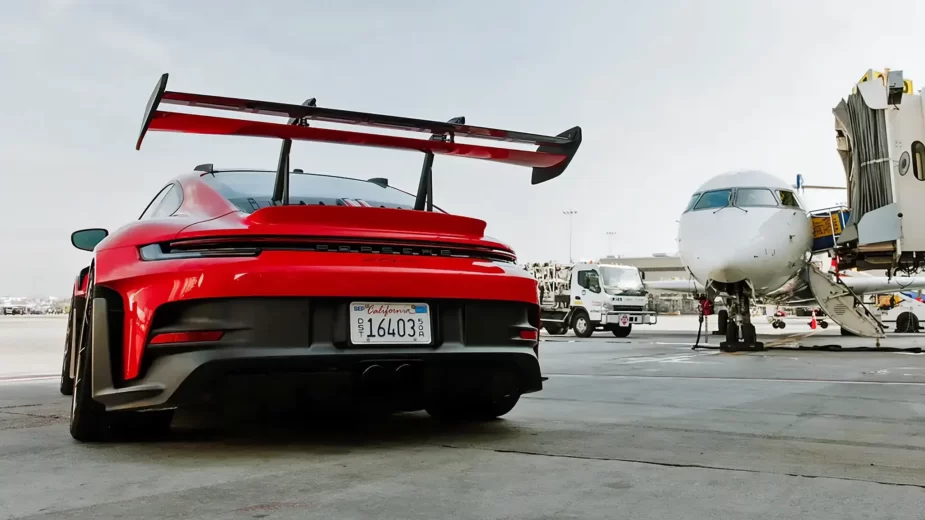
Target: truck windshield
point(624, 278)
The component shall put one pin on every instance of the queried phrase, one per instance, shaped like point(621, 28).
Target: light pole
point(570, 213)
point(610, 235)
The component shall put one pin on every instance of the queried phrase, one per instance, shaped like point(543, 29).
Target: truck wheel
point(907, 322)
point(556, 330)
point(622, 332)
point(582, 325)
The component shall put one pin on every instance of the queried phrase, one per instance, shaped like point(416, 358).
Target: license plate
point(389, 323)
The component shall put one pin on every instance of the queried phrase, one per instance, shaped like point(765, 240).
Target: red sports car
point(329, 285)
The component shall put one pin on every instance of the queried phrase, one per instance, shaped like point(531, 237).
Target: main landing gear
point(736, 324)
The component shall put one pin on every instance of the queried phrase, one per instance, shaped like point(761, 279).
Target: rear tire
point(472, 409)
point(67, 383)
point(622, 332)
point(89, 421)
point(582, 325)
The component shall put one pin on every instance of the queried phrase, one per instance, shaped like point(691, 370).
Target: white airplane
point(746, 236)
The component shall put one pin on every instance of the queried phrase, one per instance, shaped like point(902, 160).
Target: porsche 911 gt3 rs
point(330, 285)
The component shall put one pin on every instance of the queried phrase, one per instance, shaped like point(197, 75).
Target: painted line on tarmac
point(28, 378)
point(742, 379)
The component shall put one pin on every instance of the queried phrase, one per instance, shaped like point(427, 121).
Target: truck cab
point(589, 297)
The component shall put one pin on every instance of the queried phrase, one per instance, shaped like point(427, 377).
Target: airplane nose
point(727, 261)
point(761, 263)
point(730, 269)
point(762, 245)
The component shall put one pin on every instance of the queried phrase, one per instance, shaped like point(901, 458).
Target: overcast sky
point(668, 94)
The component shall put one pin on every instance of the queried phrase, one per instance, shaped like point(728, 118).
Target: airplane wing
point(685, 286)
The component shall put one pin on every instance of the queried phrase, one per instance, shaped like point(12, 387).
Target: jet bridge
point(880, 132)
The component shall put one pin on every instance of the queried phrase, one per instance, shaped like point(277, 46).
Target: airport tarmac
point(639, 427)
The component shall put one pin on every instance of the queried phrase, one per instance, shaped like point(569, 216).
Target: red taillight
point(529, 334)
point(187, 337)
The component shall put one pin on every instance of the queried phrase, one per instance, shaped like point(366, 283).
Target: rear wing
point(548, 161)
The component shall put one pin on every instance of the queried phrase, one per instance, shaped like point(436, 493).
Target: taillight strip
point(324, 244)
point(186, 337)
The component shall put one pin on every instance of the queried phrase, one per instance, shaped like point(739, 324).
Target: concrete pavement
point(640, 427)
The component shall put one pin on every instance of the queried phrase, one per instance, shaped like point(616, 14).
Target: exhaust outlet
point(374, 374)
point(406, 375)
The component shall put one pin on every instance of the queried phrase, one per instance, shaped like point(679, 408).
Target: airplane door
point(841, 305)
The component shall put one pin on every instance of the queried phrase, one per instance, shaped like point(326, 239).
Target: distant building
point(659, 266)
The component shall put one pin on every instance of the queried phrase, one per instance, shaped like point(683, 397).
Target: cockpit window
point(750, 197)
point(787, 198)
point(714, 199)
point(690, 203)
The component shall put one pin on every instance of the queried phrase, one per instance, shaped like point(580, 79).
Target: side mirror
point(87, 239)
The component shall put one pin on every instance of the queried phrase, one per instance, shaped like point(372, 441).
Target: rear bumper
point(183, 377)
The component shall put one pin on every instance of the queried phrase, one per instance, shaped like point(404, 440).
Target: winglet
point(153, 103)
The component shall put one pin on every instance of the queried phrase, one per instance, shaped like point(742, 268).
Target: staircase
point(842, 306)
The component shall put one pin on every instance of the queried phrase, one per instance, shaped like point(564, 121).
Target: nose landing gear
point(740, 321)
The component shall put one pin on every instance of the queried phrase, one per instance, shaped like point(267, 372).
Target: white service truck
point(590, 297)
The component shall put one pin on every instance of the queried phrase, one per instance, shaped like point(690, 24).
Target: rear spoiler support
point(425, 194)
point(550, 159)
point(281, 185)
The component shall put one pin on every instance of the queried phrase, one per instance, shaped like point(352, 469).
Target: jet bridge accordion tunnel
point(880, 134)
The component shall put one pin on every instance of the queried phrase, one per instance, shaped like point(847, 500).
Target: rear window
point(252, 190)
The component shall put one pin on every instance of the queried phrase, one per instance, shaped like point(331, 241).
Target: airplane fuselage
point(745, 226)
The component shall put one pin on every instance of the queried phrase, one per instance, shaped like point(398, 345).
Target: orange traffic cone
point(812, 324)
